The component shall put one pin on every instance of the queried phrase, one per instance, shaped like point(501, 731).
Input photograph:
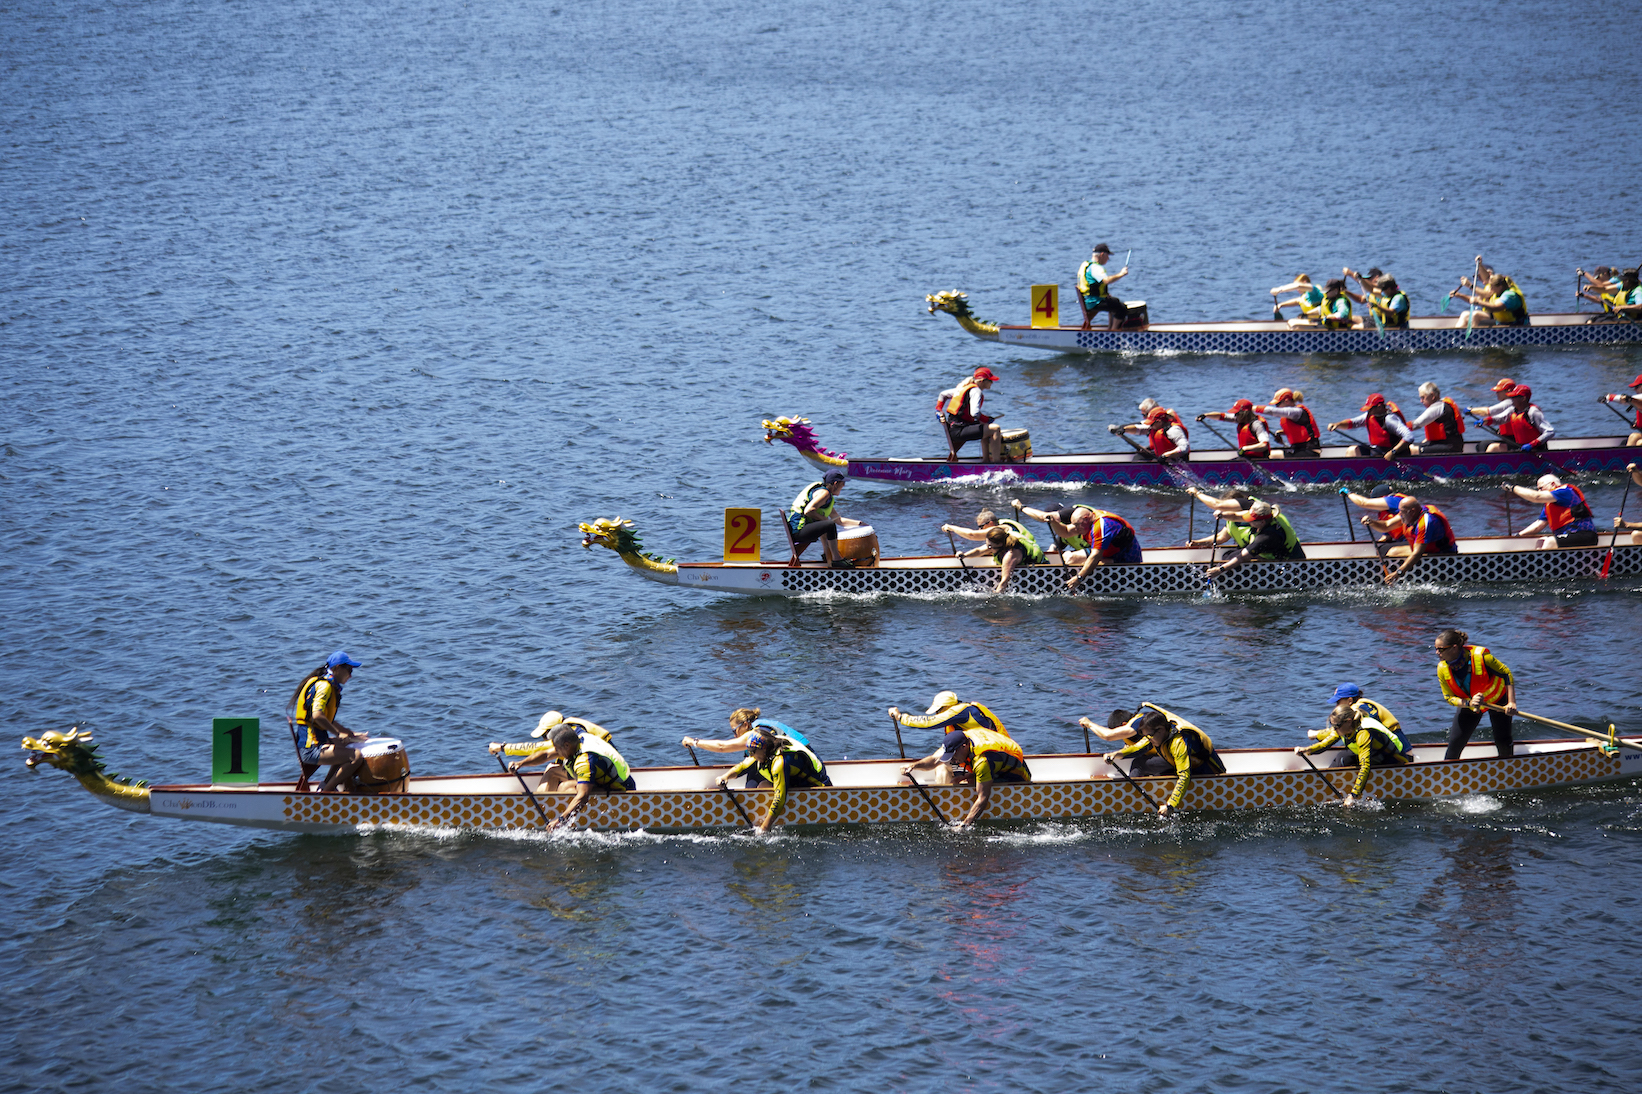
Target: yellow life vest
point(1088, 286)
point(1332, 321)
point(1204, 747)
point(802, 502)
point(985, 740)
point(1379, 713)
point(598, 746)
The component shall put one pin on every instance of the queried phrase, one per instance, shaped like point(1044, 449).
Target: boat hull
point(1068, 788)
point(1584, 455)
point(1424, 334)
point(1173, 570)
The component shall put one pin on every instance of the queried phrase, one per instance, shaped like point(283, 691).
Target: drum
point(1017, 445)
point(387, 767)
point(1138, 318)
point(859, 543)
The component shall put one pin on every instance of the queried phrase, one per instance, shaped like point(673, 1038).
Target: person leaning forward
point(321, 739)
point(780, 762)
point(1007, 541)
point(745, 722)
point(1172, 746)
point(1426, 529)
point(947, 712)
point(548, 721)
point(1471, 676)
point(1369, 743)
point(981, 756)
point(1387, 429)
point(1094, 285)
point(1565, 514)
point(1111, 539)
point(1261, 533)
point(813, 517)
point(592, 762)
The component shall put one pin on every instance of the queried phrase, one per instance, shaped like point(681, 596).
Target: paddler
point(1386, 427)
point(1172, 746)
point(1121, 725)
point(1632, 402)
point(1111, 539)
point(1261, 532)
point(813, 517)
point(1300, 433)
point(947, 712)
point(1007, 541)
point(1525, 426)
point(1427, 531)
point(1070, 525)
point(1620, 524)
point(1309, 301)
point(780, 762)
point(1600, 286)
point(1501, 304)
point(1442, 420)
point(1253, 435)
point(1348, 692)
point(1628, 301)
point(591, 761)
point(1502, 387)
point(1470, 676)
point(961, 410)
point(744, 723)
point(321, 739)
point(1369, 743)
point(1094, 289)
point(1386, 302)
point(981, 756)
point(1336, 313)
point(581, 726)
point(1165, 434)
point(1566, 515)
point(1368, 283)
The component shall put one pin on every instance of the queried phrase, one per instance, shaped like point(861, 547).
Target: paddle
point(1191, 517)
point(1178, 475)
point(1603, 399)
point(896, 722)
point(526, 788)
point(1411, 469)
point(1345, 503)
point(1326, 780)
point(1608, 738)
point(961, 563)
point(1471, 313)
point(1260, 472)
point(735, 801)
point(1208, 582)
point(1124, 775)
point(692, 753)
point(913, 779)
point(1607, 560)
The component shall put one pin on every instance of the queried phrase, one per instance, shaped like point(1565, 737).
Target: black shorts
point(1579, 537)
point(814, 530)
point(965, 432)
point(1442, 446)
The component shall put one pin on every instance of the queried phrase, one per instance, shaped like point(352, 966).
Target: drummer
point(321, 739)
point(744, 723)
point(1007, 541)
point(1369, 743)
point(590, 762)
point(813, 517)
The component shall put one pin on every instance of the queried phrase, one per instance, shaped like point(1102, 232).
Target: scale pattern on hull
point(1332, 341)
point(1156, 579)
point(675, 811)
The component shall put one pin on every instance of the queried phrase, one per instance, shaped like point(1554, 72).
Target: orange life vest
point(1450, 426)
point(1518, 428)
point(1482, 682)
point(958, 405)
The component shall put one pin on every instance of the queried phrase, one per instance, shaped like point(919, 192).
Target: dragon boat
point(1424, 333)
point(1164, 571)
point(1066, 786)
point(1214, 467)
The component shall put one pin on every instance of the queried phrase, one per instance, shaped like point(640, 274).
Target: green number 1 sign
point(234, 750)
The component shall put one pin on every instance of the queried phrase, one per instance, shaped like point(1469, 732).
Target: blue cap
point(340, 658)
point(1347, 691)
point(951, 744)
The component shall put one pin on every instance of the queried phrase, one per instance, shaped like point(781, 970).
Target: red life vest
point(958, 406)
point(1518, 428)
point(1097, 537)
point(1378, 435)
point(1303, 432)
point(1246, 435)
point(1558, 517)
point(1450, 426)
point(1159, 439)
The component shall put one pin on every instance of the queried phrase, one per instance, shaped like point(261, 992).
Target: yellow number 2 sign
point(1046, 305)
point(741, 534)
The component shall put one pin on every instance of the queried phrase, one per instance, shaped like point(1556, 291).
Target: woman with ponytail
point(1471, 676)
point(321, 739)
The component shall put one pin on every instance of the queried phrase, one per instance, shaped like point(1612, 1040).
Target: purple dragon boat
point(1220, 467)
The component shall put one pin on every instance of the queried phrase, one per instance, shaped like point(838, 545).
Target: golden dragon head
point(76, 753)
point(618, 535)
point(956, 304)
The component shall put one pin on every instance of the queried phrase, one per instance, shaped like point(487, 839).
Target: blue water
point(324, 326)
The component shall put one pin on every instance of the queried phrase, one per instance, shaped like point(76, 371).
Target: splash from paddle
point(1260, 472)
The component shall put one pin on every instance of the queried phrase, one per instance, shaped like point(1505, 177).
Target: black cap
point(1101, 248)
point(831, 477)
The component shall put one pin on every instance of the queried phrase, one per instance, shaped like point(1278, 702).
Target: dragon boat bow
point(1212, 467)
point(1065, 786)
point(1423, 333)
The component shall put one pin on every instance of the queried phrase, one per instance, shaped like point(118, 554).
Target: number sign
point(234, 744)
point(742, 534)
point(1046, 305)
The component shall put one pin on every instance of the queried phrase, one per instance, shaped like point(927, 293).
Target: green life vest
point(1242, 533)
point(796, 517)
point(1029, 542)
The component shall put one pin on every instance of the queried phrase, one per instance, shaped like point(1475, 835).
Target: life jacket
point(1332, 320)
point(1105, 540)
point(1442, 542)
point(1076, 542)
point(1087, 285)
point(1246, 434)
point(1302, 433)
point(1199, 748)
point(1242, 533)
point(1378, 435)
point(1449, 426)
point(584, 728)
point(1311, 302)
point(782, 728)
point(598, 746)
point(1029, 542)
point(1558, 516)
point(795, 516)
point(1394, 309)
point(985, 740)
point(958, 406)
point(803, 767)
point(305, 709)
point(1509, 313)
point(1379, 713)
point(1518, 428)
point(1482, 681)
point(1159, 439)
point(1383, 737)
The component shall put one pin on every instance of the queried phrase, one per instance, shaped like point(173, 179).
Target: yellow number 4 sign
point(742, 529)
point(1046, 305)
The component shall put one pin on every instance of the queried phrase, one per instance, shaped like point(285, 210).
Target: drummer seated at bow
point(1171, 746)
point(1253, 435)
point(1387, 428)
point(590, 762)
point(1007, 541)
point(1565, 515)
point(1166, 435)
point(1260, 532)
point(744, 723)
point(1369, 743)
point(1426, 530)
point(580, 726)
point(814, 517)
point(779, 762)
point(1524, 426)
point(959, 409)
point(1301, 436)
point(1094, 289)
point(978, 756)
point(1309, 301)
point(946, 713)
point(1500, 304)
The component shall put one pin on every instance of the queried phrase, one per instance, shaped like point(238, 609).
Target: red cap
point(1241, 405)
point(1282, 393)
point(1521, 391)
point(1374, 400)
point(986, 374)
point(1635, 383)
point(1505, 384)
point(1156, 414)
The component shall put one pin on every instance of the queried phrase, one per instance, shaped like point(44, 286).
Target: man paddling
point(1261, 533)
point(780, 762)
point(1501, 304)
point(1471, 676)
point(981, 757)
point(1111, 539)
point(1633, 402)
point(1442, 421)
point(1094, 289)
point(1007, 541)
point(1165, 435)
point(1387, 429)
point(1369, 742)
point(1172, 746)
point(591, 762)
point(1525, 426)
point(1070, 525)
point(1426, 529)
point(1565, 514)
point(1253, 435)
point(947, 712)
point(581, 726)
